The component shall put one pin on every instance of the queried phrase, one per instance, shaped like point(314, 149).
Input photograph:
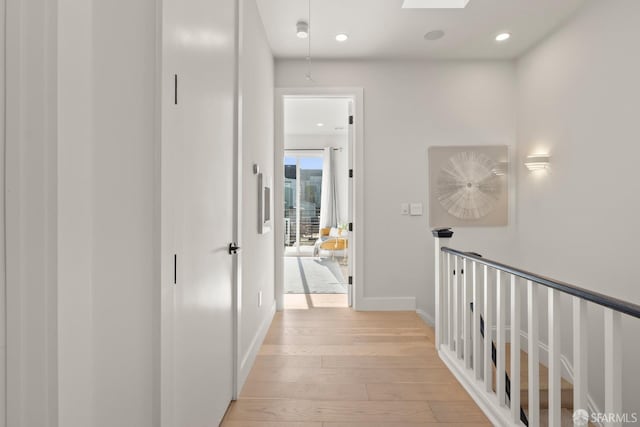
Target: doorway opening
point(317, 202)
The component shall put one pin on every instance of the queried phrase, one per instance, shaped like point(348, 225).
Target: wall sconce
point(500, 168)
point(537, 162)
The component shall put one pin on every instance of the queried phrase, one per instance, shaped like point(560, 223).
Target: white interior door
point(198, 78)
point(350, 209)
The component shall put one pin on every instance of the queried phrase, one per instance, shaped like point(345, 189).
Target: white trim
point(387, 304)
point(157, 225)
point(75, 213)
point(488, 402)
point(166, 245)
point(31, 185)
point(357, 164)
point(3, 324)
point(238, 379)
point(250, 356)
point(14, 377)
point(426, 317)
point(278, 197)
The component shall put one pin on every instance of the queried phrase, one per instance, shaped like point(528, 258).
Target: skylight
point(435, 4)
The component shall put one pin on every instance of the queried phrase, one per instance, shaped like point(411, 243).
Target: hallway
point(334, 367)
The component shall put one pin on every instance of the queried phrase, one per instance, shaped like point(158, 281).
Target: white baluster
point(488, 307)
point(466, 310)
point(515, 350)
point(501, 312)
point(449, 303)
point(444, 309)
point(438, 293)
point(477, 342)
point(554, 357)
point(439, 289)
point(580, 383)
point(533, 358)
point(456, 309)
point(612, 363)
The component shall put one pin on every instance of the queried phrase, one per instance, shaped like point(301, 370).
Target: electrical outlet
point(259, 298)
point(404, 208)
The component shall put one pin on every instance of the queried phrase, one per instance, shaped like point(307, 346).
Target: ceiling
point(302, 116)
point(382, 29)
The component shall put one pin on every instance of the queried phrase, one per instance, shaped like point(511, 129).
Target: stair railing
point(466, 343)
point(494, 358)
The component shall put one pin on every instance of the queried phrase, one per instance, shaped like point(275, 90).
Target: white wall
point(125, 274)
point(578, 99)
point(293, 142)
point(3, 346)
point(75, 226)
point(108, 283)
point(30, 199)
point(257, 254)
point(410, 105)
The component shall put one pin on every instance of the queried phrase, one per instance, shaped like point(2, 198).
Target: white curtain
point(329, 213)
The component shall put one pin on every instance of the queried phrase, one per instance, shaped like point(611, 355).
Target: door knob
point(233, 248)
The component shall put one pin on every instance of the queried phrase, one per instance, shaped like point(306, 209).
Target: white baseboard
point(250, 357)
point(488, 402)
point(426, 317)
point(386, 304)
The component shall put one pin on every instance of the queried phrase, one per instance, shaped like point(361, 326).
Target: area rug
point(306, 275)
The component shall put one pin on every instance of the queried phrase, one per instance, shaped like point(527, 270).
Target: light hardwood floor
point(333, 367)
point(306, 301)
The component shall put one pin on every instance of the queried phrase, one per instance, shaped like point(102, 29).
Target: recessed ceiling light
point(503, 37)
point(319, 124)
point(302, 30)
point(342, 37)
point(434, 35)
point(435, 4)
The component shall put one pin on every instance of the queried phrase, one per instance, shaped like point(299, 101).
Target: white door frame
point(237, 204)
point(356, 161)
point(3, 324)
point(30, 190)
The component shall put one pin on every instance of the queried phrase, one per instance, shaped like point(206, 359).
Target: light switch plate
point(404, 208)
point(416, 209)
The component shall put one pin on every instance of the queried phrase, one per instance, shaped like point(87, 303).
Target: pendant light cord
point(308, 75)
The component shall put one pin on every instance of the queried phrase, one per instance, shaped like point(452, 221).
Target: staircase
point(566, 389)
point(473, 293)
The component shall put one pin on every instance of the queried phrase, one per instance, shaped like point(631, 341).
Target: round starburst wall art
point(468, 187)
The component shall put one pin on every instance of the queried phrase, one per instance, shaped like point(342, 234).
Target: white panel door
point(350, 210)
point(197, 210)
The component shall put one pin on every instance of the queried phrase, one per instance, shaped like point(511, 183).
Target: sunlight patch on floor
point(307, 301)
